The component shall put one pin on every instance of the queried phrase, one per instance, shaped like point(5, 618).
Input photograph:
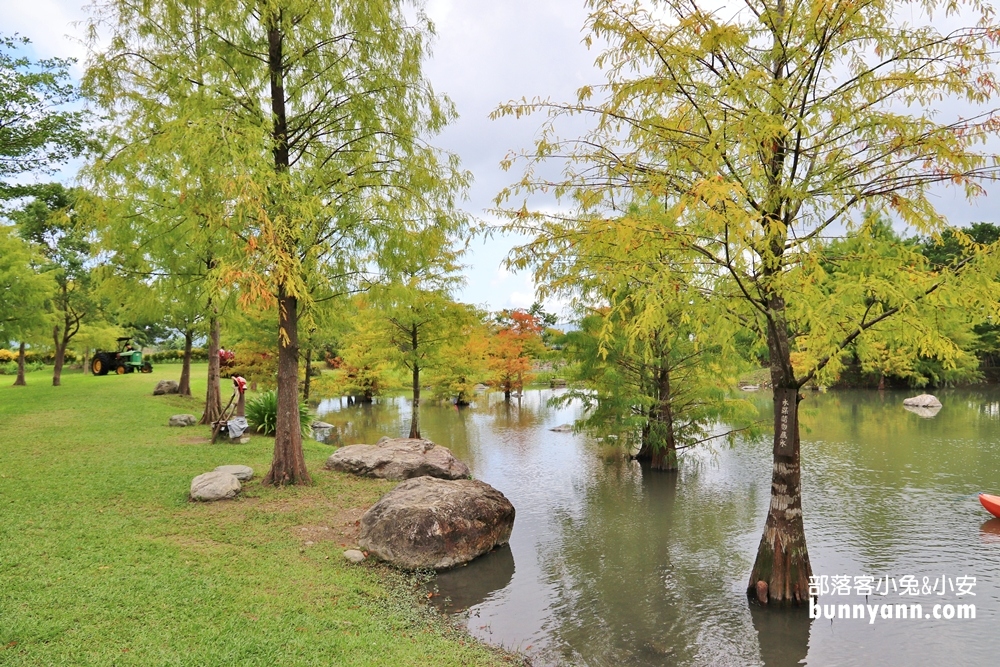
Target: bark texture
point(782, 562)
point(288, 465)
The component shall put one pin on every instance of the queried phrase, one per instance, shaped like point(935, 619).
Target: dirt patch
point(195, 440)
point(343, 530)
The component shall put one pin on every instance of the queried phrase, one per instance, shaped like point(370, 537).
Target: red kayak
point(991, 503)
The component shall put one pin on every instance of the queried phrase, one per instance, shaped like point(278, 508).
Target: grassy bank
point(103, 561)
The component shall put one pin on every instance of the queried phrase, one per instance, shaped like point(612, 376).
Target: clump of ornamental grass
point(262, 413)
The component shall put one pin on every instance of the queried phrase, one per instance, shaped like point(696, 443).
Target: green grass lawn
point(104, 561)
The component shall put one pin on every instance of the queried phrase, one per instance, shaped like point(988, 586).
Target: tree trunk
point(782, 570)
point(305, 387)
point(213, 395)
point(184, 386)
point(415, 417)
point(19, 382)
point(659, 443)
point(60, 344)
point(288, 465)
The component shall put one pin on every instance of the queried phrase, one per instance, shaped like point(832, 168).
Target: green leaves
point(262, 413)
point(37, 130)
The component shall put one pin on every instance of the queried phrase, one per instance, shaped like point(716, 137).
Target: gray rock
point(165, 387)
point(354, 555)
point(398, 458)
point(922, 401)
point(562, 428)
point(242, 473)
point(215, 485)
point(182, 420)
point(436, 523)
point(323, 432)
point(926, 413)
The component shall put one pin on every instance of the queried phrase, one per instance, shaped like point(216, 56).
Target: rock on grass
point(436, 523)
point(215, 485)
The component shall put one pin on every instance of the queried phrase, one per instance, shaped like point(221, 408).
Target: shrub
point(262, 413)
point(10, 367)
point(175, 356)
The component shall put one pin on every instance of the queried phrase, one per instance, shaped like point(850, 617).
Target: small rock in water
point(562, 428)
point(354, 555)
point(182, 420)
point(926, 413)
point(214, 485)
point(922, 401)
point(242, 473)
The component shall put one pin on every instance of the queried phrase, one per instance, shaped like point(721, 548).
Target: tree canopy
point(39, 129)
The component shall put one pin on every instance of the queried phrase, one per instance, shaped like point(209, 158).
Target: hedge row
point(175, 356)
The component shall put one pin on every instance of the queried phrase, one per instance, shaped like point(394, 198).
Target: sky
point(486, 52)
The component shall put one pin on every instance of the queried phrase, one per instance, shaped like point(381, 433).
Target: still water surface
point(610, 564)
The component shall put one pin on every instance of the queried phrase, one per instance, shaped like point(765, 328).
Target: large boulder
point(242, 473)
point(398, 458)
point(182, 420)
point(922, 401)
point(165, 387)
point(436, 523)
point(215, 485)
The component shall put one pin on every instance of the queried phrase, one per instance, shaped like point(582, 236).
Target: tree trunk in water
point(288, 465)
point(213, 395)
point(506, 393)
point(782, 570)
point(184, 386)
point(19, 382)
point(305, 387)
point(415, 416)
point(659, 444)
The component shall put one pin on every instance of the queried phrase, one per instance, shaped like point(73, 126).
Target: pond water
point(611, 564)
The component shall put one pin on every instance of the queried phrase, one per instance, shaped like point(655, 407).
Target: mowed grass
point(104, 561)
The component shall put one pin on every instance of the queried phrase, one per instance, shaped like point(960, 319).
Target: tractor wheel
point(120, 370)
point(146, 367)
point(98, 366)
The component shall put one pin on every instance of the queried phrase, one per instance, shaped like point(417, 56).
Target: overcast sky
point(486, 52)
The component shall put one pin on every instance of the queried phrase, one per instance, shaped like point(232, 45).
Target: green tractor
point(125, 360)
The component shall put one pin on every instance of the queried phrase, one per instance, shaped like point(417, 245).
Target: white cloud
point(520, 300)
